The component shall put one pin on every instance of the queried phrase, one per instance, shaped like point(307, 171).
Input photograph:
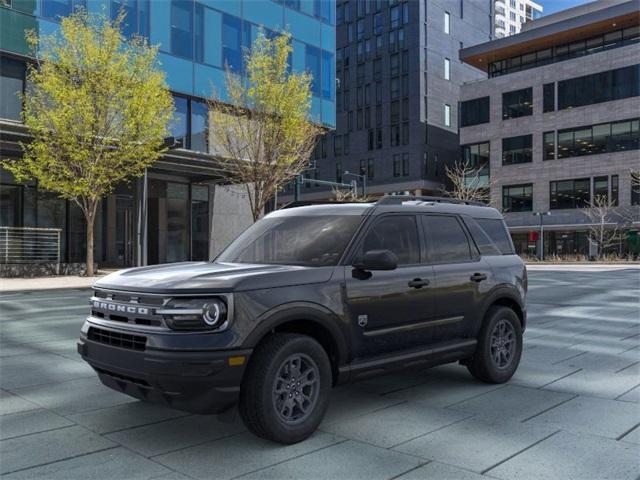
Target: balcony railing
point(30, 245)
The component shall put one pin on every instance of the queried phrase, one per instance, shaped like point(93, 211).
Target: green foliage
point(97, 107)
point(262, 129)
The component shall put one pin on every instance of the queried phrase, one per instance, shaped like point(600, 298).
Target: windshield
point(313, 241)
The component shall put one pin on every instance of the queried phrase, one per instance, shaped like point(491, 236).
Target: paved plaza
point(572, 411)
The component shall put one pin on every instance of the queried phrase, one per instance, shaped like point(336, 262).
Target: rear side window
point(497, 232)
point(446, 240)
point(397, 233)
point(482, 240)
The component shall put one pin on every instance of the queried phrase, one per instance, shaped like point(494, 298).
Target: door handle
point(478, 277)
point(418, 283)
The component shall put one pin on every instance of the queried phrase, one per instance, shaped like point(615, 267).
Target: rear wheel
point(499, 347)
point(285, 391)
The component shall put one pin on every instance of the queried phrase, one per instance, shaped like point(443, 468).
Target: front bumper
point(193, 381)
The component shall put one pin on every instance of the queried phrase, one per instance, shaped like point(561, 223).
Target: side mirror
point(377, 260)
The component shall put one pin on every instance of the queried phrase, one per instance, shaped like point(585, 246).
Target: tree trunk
point(90, 223)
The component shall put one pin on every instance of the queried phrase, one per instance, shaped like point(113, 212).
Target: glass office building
point(197, 40)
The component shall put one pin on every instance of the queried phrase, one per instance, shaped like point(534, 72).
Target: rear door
point(388, 308)
point(461, 276)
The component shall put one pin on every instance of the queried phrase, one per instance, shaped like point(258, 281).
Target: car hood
point(206, 277)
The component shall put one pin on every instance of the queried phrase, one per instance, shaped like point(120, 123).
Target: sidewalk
point(49, 283)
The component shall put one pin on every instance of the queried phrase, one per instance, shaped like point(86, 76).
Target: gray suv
point(312, 297)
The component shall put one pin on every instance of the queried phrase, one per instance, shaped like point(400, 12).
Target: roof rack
point(398, 199)
point(306, 203)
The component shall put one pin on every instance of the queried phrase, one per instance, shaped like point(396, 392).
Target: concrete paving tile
point(10, 403)
point(33, 421)
point(442, 392)
point(116, 463)
point(172, 476)
point(41, 448)
point(476, 445)
point(593, 361)
point(633, 436)
point(394, 425)
point(511, 403)
point(545, 355)
point(534, 375)
point(74, 396)
point(163, 437)
point(571, 456)
point(595, 384)
point(631, 396)
point(128, 415)
point(349, 402)
point(440, 471)
point(393, 382)
point(238, 455)
point(585, 415)
point(350, 460)
point(34, 369)
point(8, 349)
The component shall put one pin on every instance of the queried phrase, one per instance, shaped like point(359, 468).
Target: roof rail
point(306, 203)
point(398, 199)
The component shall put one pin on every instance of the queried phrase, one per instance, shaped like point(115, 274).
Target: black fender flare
point(296, 311)
point(499, 293)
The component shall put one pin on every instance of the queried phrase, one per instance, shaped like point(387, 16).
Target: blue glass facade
point(198, 38)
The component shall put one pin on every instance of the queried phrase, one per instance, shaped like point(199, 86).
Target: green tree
point(261, 131)
point(97, 107)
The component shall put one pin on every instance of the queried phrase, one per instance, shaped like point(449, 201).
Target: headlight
point(195, 314)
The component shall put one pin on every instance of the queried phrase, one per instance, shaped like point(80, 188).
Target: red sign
point(533, 236)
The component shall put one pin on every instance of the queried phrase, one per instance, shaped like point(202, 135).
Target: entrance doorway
point(124, 231)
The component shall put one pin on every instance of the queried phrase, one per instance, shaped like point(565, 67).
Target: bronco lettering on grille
point(114, 307)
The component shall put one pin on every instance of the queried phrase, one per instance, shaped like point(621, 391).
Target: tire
point(270, 406)
point(491, 365)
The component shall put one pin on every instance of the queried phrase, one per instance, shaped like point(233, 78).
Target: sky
point(552, 6)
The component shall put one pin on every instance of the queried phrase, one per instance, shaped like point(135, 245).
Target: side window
point(482, 240)
point(397, 233)
point(447, 241)
point(498, 233)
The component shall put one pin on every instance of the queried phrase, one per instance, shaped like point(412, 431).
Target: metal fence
point(29, 245)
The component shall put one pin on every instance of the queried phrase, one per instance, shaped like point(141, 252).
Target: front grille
point(128, 308)
point(117, 339)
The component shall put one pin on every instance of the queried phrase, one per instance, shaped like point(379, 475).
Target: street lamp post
point(541, 215)
point(364, 181)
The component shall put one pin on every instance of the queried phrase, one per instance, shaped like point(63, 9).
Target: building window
point(570, 193)
point(396, 166)
point(447, 115)
point(394, 16)
point(339, 172)
point(56, 9)
point(447, 23)
point(599, 87)
point(337, 145)
point(477, 156)
point(345, 143)
point(136, 20)
point(328, 75)
point(549, 145)
point(516, 150)
point(179, 125)
point(603, 138)
point(601, 188)
point(231, 42)
point(447, 69)
point(635, 188)
point(615, 190)
point(199, 126)
point(395, 135)
point(517, 103)
point(405, 164)
point(312, 62)
point(517, 198)
point(182, 28)
point(12, 78)
point(377, 23)
point(378, 139)
point(370, 168)
point(474, 112)
point(549, 97)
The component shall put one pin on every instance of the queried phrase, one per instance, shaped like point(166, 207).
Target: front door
point(388, 308)
point(460, 276)
point(124, 231)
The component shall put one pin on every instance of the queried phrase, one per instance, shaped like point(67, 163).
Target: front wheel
point(499, 347)
point(285, 391)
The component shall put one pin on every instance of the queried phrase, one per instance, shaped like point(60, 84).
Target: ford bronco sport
point(308, 298)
